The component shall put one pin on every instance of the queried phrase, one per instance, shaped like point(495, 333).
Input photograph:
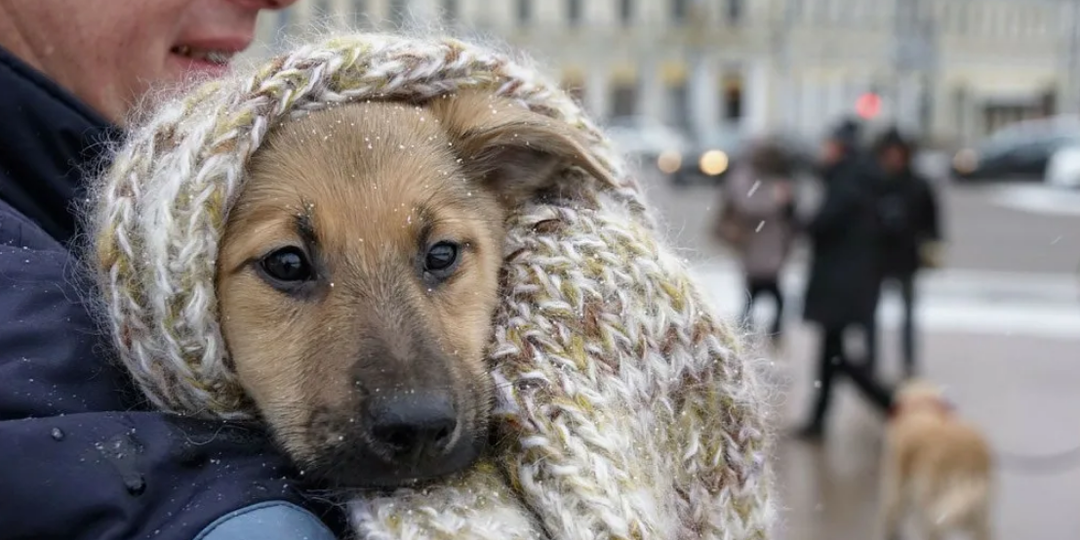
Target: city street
point(1000, 327)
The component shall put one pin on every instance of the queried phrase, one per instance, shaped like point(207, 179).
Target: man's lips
point(218, 52)
point(212, 56)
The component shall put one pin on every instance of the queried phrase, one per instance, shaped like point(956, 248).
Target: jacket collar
point(48, 143)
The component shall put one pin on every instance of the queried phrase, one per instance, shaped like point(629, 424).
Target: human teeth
point(218, 57)
point(210, 55)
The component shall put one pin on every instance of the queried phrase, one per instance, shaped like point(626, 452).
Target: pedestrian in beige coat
point(757, 221)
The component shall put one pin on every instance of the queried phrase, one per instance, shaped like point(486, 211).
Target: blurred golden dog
point(935, 466)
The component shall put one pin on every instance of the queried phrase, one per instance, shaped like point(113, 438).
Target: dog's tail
point(958, 499)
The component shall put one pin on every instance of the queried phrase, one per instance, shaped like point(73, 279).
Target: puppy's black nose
point(415, 426)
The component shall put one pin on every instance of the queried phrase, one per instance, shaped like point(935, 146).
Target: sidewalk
point(1020, 390)
point(984, 302)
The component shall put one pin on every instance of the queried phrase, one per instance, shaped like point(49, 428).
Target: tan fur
point(936, 466)
point(378, 183)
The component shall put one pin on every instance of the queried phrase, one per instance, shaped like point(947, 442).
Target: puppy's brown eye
point(287, 266)
point(441, 258)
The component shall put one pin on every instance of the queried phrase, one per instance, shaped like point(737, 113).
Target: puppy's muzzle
point(412, 429)
point(406, 436)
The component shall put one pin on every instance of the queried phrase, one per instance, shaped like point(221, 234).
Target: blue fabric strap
point(273, 520)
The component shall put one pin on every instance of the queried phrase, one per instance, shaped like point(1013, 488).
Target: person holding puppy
point(82, 457)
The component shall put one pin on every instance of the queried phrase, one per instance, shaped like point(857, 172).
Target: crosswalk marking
point(1036, 198)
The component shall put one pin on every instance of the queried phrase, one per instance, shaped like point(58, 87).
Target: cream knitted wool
point(626, 410)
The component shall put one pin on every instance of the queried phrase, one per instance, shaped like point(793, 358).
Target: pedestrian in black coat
point(842, 285)
point(909, 231)
point(842, 288)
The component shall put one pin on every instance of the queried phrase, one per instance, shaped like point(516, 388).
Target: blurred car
point(1056, 123)
point(1013, 154)
point(650, 140)
point(710, 157)
point(1064, 168)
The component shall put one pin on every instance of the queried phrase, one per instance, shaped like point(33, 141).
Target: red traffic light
point(868, 105)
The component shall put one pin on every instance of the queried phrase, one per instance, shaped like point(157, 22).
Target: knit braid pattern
point(625, 409)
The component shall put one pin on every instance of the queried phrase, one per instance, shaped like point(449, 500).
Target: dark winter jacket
point(80, 457)
point(843, 282)
point(908, 218)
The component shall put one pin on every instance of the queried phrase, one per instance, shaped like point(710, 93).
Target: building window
point(731, 102)
point(734, 11)
point(679, 106)
point(573, 12)
point(449, 11)
point(679, 10)
point(623, 100)
point(926, 107)
point(960, 103)
point(1048, 103)
point(575, 89)
point(733, 105)
point(626, 12)
point(524, 12)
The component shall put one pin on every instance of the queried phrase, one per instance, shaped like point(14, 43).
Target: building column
point(837, 103)
point(703, 94)
point(819, 116)
point(969, 122)
point(1070, 96)
point(906, 114)
point(755, 95)
point(809, 90)
point(942, 112)
point(651, 99)
point(597, 90)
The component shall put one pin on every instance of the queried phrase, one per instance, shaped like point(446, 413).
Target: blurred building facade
point(952, 70)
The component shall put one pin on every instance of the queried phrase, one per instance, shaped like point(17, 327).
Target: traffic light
point(868, 105)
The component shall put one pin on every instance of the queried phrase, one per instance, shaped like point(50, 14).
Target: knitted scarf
point(626, 410)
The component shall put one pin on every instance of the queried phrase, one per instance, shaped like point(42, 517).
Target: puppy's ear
point(516, 152)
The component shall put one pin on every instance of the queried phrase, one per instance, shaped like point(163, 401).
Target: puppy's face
point(359, 274)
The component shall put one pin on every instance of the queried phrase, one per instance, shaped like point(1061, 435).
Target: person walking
point(909, 231)
point(83, 457)
point(842, 288)
point(757, 221)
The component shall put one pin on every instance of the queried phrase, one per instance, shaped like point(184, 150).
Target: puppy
point(934, 465)
point(359, 273)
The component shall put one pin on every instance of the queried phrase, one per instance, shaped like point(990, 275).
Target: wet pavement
point(1021, 391)
point(1000, 326)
